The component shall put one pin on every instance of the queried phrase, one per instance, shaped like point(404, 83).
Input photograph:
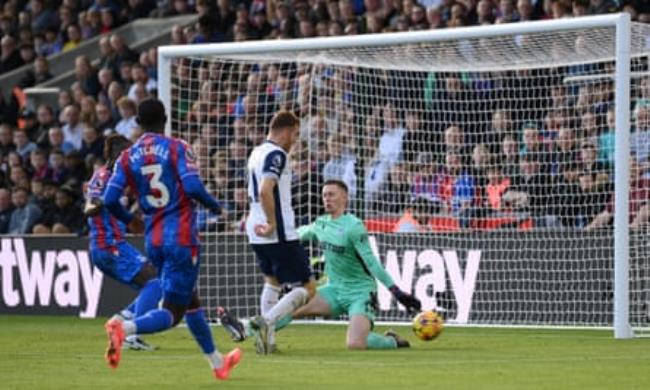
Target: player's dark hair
point(113, 146)
point(284, 119)
point(338, 183)
point(151, 115)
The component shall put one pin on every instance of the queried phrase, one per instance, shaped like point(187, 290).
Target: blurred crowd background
point(426, 151)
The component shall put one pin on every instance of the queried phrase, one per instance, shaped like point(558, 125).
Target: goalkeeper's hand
point(411, 303)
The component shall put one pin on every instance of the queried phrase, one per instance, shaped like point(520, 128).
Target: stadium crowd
point(554, 166)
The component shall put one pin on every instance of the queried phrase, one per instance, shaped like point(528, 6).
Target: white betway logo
point(74, 268)
point(462, 286)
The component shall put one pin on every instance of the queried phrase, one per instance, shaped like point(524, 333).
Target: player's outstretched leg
point(231, 324)
point(115, 334)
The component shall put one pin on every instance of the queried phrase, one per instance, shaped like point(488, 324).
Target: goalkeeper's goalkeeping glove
point(411, 303)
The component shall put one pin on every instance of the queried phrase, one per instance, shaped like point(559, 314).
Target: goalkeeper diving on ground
point(351, 268)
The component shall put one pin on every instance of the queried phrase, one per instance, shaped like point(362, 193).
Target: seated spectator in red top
point(496, 186)
point(415, 218)
point(458, 190)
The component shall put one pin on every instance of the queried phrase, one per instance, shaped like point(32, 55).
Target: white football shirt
point(270, 160)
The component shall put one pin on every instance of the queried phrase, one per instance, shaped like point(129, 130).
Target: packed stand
point(47, 154)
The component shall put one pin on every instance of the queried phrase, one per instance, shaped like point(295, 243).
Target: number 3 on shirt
point(154, 172)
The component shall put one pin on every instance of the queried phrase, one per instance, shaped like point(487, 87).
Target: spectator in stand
point(56, 140)
point(640, 139)
point(64, 218)
point(534, 146)
point(23, 145)
point(24, 216)
point(415, 218)
point(18, 176)
point(59, 173)
point(28, 121)
point(589, 129)
point(606, 139)
point(207, 31)
point(178, 36)
point(45, 120)
point(6, 141)
point(86, 75)
point(107, 55)
point(481, 159)
point(127, 125)
point(458, 190)
point(40, 74)
point(74, 37)
point(42, 16)
point(39, 168)
point(87, 111)
point(107, 21)
point(6, 208)
point(9, 57)
point(496, 186)
point(72, 127)
point(52, 44)
point(122, 54)
point(115, 93)
point(396, 192)
point(597, 170)
point(531, 192)
point(139, 76)
point(454, 142)
point(567, 196)
point(76, 167)
point(105, 123)
point(500, 126)
point(92, 146)
point(426, 181)
point(340, 166)
point(390, 143)
point(565, 150)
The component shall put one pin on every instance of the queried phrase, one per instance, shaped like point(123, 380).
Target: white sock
point(290, 302)
point(268, 299)
point(215, 360)
point(129, 328)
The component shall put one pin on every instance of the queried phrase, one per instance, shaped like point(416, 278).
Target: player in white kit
point(271, 230)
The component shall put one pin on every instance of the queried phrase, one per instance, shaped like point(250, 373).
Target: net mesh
point(483, 168)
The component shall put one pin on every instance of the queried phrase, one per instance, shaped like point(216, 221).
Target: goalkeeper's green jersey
point(349, 261)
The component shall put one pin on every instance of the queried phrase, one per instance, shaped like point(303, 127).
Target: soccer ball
point(427, 325)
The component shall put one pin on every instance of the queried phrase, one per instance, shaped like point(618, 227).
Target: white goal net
point(483, 167)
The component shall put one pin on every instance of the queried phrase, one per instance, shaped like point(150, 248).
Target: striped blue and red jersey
point(155, 168)
point(105, 230)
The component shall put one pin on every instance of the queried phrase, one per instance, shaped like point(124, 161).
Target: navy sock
point(200, 329)
point(153, 321)
point(148, 298)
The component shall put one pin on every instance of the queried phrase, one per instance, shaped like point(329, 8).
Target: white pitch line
point(335, 362)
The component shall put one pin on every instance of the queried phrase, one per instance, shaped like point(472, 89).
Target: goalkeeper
point(351, 268)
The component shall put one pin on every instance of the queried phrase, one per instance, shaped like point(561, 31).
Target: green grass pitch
point(55, 352)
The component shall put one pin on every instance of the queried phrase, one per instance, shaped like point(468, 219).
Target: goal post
point(478, 258)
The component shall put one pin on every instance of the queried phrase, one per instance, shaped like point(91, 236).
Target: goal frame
point(622, 24)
